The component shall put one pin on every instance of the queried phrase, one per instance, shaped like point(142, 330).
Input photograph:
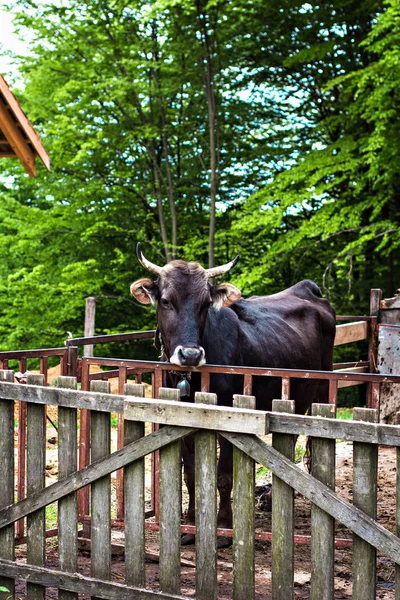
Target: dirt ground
point(343, 558)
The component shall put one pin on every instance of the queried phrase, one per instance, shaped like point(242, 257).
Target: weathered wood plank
point(243, 515)
point(341, 510)
point(7, 547)
point(206, 508)
point(198, 415)
point(351, 332)
point(76, 481)
point(359, 431)
point(134, 501)
point(100, 446)
point(361, 369)
point(35, 481)
point(282, 515)
point(81, 584)
point(68, 506)
point(170, 509)
point(58, 397)
point(365, 474)
point(140, 409)
point(322, 524)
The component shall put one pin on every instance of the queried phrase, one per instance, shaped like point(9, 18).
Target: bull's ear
point(144, 290)
point(224, 295)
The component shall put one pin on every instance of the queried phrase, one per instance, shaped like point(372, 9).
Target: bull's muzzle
point(188, 356)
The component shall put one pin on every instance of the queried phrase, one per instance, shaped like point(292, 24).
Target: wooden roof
point(17, 135)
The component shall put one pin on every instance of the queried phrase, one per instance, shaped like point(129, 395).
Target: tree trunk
point(206, 63)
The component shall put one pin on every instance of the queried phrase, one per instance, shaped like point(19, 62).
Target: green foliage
point(344, 413)
point(304, 111)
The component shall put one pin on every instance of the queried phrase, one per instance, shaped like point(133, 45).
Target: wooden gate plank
point(283, 515)
point(68, 506)
point(351, 332)
point(7, 546)
point(243, 515)
point(170, 509)
point(81, 583)
point(322, 524)
point(76, 481)
point(365, 474)
point(341, 510)
point(35, 481)
point(336, 429)
point(100, 446)
point(134, 501)
point(206, 508)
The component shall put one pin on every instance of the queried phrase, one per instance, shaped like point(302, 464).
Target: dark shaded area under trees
point(202, 129)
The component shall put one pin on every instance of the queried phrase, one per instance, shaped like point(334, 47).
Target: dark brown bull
point(198, 322)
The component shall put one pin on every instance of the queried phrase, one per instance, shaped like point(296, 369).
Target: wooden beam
point(343, 384)
point(16, 140)
point(358, 431)
point(25, 123)
point(319, 494)
point(62, 397)
point(351, 332)
point(202, 416)
point(81, 584)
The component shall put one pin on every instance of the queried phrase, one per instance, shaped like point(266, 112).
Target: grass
point(344, 413)
point(51, 516)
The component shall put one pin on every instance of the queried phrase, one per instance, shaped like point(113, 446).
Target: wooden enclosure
point(244, 428)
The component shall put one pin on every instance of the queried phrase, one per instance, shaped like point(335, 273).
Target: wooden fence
point(351, 329)
point(243, 427)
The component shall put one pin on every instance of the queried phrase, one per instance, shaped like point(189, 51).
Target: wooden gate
point(244, 427)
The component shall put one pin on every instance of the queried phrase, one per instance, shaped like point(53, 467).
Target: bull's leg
point(224, 484)
point(188, 473)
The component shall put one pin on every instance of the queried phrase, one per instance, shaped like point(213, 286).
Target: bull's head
point(183, 296)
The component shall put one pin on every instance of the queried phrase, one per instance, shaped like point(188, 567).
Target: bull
point(198, 321)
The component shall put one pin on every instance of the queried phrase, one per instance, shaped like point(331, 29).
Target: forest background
point(203, 130)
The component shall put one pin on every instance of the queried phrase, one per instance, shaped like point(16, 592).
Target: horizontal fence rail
point(153, 366)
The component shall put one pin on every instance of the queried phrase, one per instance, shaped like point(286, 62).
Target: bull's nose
point(190, 356)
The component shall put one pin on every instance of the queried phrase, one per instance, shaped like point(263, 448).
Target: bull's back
point(293, 329)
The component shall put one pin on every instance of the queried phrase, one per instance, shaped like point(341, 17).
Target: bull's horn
point(146, 263)
point(215, 271)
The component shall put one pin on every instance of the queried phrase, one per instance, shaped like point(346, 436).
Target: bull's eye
point(164, 302)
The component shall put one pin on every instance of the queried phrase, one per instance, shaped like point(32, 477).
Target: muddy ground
point(343, 556)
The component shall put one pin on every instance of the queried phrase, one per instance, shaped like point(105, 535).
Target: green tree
point(121, 96)
point(332, 213)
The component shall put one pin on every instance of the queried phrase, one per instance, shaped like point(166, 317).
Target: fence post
point(398, 517)
point(365, 473)
point(374, 306)
point(90, 317)
point(170, 509)
point(7, 547)
point(122, 377)
point(206, 507)
point(100, 435)
point(322, 524)
point(35, 481)
point(243, 515)
point(134, 499)
point(68, 506)
point(283, 516)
